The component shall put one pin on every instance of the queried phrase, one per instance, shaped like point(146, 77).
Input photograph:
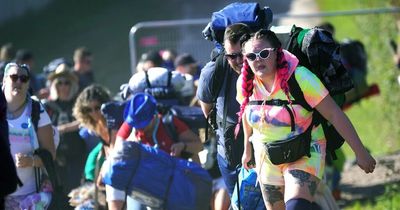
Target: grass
point(375, 119)
point(390, 200)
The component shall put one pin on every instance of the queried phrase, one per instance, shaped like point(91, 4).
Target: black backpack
point(316, 50)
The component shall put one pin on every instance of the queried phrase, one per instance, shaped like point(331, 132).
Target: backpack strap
point(47, 160)
point(220, 74)
point(227, 88)
point(278, 102)
point(168, 122)
point(169, 83)
point(297, 93)
point(221, 69)
point(147, 79)
point(169, 78)
point(35, 113)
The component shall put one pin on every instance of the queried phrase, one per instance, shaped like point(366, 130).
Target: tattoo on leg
point(312, 187)
point(274, 193)
point(304, 178)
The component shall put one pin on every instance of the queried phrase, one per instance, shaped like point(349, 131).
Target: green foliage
point(390, 200)
point(376, 119)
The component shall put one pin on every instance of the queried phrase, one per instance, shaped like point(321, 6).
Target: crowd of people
point(73, 124)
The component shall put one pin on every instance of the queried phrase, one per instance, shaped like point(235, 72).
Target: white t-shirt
point(20, 131)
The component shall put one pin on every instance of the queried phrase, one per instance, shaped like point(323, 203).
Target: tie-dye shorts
point(271, 174)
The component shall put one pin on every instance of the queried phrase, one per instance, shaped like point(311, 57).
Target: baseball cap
point(140, 110)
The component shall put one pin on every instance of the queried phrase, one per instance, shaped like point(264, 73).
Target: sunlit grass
point(376, 119)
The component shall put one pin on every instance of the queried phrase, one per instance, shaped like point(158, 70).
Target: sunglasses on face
point(88, 110)
point(263, 54)
point(22, 78)
point(234, 56)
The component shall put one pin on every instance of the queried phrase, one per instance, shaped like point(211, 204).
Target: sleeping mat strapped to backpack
point(156, 179)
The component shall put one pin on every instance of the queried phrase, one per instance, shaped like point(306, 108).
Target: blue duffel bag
point(156, 179)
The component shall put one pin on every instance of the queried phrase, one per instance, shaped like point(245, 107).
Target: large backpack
point(248, 13)
point(165, 94)
point(316, 50)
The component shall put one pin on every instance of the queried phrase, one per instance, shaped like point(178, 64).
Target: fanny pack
point(289, 150)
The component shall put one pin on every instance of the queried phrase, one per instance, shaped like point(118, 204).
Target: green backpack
point(316, 49)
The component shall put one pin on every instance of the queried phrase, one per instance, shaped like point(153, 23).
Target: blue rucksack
point(250, 14)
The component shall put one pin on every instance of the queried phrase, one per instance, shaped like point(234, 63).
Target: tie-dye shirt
point(271, 123)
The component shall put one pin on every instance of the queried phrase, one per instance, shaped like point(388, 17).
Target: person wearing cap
point(24, 138)
point(71, 152)
point(144, 124)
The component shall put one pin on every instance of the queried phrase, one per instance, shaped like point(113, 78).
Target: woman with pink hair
point(270, 113)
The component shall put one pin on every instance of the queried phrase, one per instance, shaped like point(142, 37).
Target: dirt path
point(356, 185)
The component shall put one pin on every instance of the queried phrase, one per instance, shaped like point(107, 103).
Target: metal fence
point(185, 36)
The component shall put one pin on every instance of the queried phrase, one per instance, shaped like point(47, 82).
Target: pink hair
point(283, 72)
point(247, 91)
